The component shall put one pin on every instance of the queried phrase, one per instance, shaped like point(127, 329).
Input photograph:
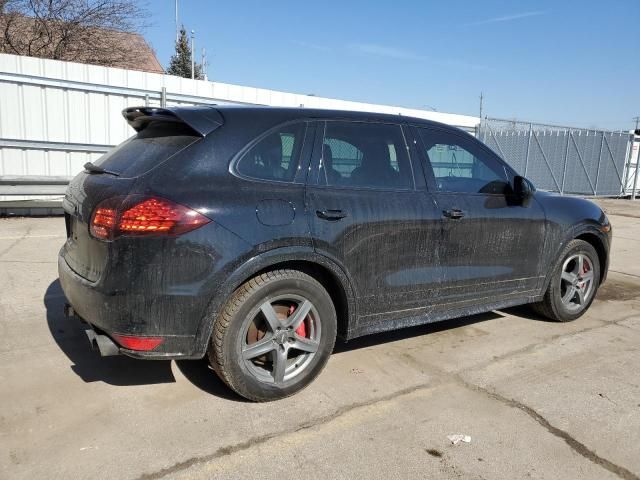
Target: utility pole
point(481, 98)
point(193, 53)
point(637, 119)
point(177, 28)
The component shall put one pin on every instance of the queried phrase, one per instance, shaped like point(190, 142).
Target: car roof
point(314, 113)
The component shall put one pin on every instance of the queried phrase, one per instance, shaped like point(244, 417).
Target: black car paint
point(395, 260)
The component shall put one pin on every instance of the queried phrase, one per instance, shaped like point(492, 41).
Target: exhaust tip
point(102, 343)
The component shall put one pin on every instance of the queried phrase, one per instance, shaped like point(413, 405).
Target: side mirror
point(523, 188)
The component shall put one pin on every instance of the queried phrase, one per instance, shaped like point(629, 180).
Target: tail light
point(143, 216)
point(143, 344)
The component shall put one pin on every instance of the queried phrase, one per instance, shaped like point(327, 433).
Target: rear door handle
point(453, 213)
point(331, 215)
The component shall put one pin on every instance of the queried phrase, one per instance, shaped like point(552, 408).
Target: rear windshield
point(150, 147)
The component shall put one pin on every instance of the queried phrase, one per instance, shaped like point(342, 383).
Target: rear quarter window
point(275, 156)
point(147, 149)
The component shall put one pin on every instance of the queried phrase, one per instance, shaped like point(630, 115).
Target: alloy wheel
point(576, 283)
point(281, 338)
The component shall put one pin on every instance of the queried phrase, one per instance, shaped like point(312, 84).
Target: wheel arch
point(327, 272)
point(591, 234)
point(598, 244)
point(328, 279)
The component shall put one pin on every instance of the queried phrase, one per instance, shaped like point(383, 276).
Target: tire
point(554, 305)
point(270, 316)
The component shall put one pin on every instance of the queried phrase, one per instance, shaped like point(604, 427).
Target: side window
point(460, 166)
point(276, 156)
point(358, 154)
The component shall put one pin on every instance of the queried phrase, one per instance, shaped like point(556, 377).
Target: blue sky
point(565, 62)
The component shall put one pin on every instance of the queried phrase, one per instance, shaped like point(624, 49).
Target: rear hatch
point(161, 134)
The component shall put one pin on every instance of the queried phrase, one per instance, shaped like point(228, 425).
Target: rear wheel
point(274, 335)
point(573, 285)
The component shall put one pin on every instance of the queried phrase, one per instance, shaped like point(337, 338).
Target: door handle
point(453, 213)
point(331, 215)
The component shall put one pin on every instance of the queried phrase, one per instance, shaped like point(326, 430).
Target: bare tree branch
point(101, 32)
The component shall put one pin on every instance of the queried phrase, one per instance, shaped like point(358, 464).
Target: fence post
point(575, 144)
point(613, 162)
point(546, 161)
point(526, 158)
point(627, 166)
point(566, 159)
point(163, 97)
point(599, 160)
point(637, 172)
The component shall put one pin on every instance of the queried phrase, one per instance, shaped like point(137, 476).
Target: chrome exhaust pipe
point(102, 343)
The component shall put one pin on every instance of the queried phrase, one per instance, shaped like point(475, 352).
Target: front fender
point(587, 227)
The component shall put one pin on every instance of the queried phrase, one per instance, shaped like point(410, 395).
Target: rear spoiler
point(202, 120)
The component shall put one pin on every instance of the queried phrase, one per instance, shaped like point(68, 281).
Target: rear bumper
point(175, 318)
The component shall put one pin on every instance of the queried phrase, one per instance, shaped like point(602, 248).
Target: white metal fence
point(562, 159)
point(55, 116)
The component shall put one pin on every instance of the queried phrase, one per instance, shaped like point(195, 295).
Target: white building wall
point(55, 116)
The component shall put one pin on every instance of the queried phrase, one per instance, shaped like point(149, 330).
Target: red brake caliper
point(302, 329)
point(583, 269)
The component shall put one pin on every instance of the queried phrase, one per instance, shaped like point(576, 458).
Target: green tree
point(180, 64)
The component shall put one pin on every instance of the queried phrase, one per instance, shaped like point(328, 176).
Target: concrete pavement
point(539, 399)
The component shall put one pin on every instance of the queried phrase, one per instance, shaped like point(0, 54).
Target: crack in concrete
point(16, 242)
point(625, 273)
point(259, 440)
point(437, 380)
point(529, 348)
point(577, 446)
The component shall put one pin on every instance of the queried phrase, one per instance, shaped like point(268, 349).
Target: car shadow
point(120, 370)
point(410, 332)
point(202, 376)
point(525, 311)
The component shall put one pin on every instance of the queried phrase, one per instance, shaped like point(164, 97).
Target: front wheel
point(274, 335)
point(573, 285)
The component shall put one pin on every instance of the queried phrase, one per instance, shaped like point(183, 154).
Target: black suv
point(255, 235)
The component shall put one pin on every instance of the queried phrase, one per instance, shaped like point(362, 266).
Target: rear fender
point(262, 262)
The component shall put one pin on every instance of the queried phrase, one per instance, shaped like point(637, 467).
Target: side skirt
point(432, 314)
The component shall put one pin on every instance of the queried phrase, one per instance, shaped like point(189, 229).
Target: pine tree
point(180, 64)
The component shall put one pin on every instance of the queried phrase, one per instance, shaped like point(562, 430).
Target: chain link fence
point(561, 159)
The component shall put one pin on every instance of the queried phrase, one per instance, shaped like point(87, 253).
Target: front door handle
point(331, 215)
point(453, 213)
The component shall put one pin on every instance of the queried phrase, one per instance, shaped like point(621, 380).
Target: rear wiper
point(91, 168)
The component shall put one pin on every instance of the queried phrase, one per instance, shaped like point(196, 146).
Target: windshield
point(147, 149)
